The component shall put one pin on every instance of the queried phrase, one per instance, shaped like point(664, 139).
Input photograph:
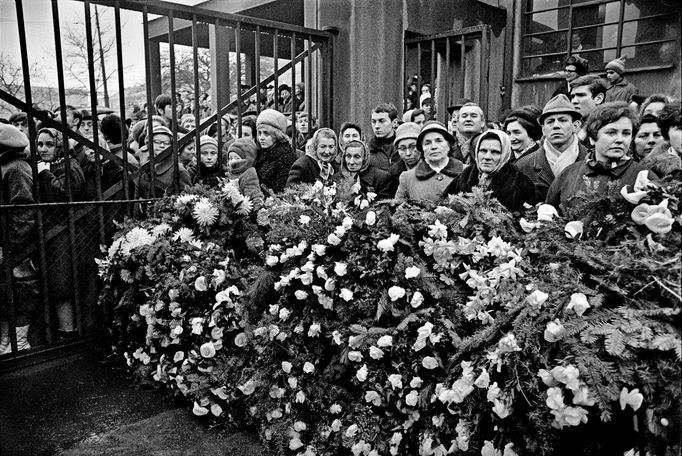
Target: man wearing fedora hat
point(560, 147)
point(453, 112)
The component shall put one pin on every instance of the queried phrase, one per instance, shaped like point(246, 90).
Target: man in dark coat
point(382, 152)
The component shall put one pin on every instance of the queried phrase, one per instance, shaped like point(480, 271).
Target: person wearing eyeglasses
point(166, 183)
point(574, 68)
point(435, 171)
point(406, 144)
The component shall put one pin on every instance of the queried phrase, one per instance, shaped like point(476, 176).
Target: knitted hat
point(161, 130)
point(12, 138)
point(560, 104)
point(272, 118)
point(246, 149)
point(406, 131)
point(423, 98)
point(617, 65)
point(434, 126)
point(208, 143)
point(527, 116)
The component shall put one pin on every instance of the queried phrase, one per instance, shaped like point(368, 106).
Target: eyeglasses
point(158, 142)
point(411, 148)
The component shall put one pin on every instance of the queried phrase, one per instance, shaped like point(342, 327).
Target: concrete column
point(155, 67)
point(220, 90)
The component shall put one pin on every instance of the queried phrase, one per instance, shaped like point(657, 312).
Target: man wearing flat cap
point(560, 148)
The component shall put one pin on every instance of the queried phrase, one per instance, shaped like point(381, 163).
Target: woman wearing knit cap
point(166, 183)
point(619, 88)
point(241, 158)
point(210, 171)
point(524, 131)
point(275, 154)
point(318, 162)
point(493, 171)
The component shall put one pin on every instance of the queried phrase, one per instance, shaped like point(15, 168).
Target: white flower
point(632, 398)
point(284, 314)
point(333, 239)
point(301, 294)
point(185, 198)
point(295, 443)
point(340, 269)
point(412, 272)
point(347, 222)
point(271, 260)
point(179, 356)
point(300, 426)
point(429, 362)
point(207, 350)
point(412, 398)
point(438, 230)
point(355, 356)
point(336, 425)
point(632, 197)
point(161, 229)
point(335, 409)
point(304, 220)
point(371, 218)
point(200, 284)
point(319, 249)
point(555, 331)
point(483, 380)
point(396, 293)
point(387, 245)
point(293, 382)
point(184, 234)
point(396, 380)
point(205, 213)
point(527, 226)
point(385, 341)
point(286, 366)
point(199, 410)
point(373, 397)
point(346, 294)
point(578, 303)
point(642, 181)
point(416, 382)
point(574, 229)
point(308, 368)
point(361, 374)
point(537, 298)
point(546, 212)
point(300, 397)
point(314, 330)
point(352, 430)
point(417, 299)
point(376, 353)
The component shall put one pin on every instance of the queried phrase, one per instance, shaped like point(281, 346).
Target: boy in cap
point(619, 88)
point(241, 156)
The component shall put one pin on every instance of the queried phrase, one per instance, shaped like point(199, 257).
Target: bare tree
point(184, 69)
point(12, 82)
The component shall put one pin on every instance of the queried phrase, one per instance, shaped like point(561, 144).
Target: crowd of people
point(592, 130)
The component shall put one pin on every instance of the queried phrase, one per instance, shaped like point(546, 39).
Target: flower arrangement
point(339, 325)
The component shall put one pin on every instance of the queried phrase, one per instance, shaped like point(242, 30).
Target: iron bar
point(447, 82)
point(433, 78)
point(150, 107)
point(174, 114)
point(216, 69)
point(275, 55)
point(292, 91)
point(256, 44)
point(238, 52)
point(197, 119)
point(122, 107)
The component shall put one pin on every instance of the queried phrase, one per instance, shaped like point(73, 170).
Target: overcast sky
point(40, 37)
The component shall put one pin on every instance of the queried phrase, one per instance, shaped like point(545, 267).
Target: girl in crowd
point(275, 154)
point(610, 129)
point(210, 171)
point(188, 158)
point(356, 168)
point(318, 162)
point(524, 130)
point(436, 170)
point(248, 129)
point(493, 171)
point(241, 157)
point(52, 169)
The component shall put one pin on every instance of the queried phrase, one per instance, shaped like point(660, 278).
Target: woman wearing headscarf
point(318, 162)
point(492, 171)
point(52, 171)
point(356, 168)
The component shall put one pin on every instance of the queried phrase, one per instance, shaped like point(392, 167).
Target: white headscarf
point(485, 177)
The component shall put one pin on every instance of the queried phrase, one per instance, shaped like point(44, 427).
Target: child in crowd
point(209, 168)
point(241, 158)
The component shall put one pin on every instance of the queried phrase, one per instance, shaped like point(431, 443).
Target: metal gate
point(456, 64)
point(49, 284)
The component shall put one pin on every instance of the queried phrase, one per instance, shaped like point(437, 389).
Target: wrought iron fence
point(53, 276)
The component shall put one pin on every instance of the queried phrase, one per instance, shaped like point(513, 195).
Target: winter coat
point(536, 167)
point(305, 170)
point(382, 153)
point(622, 91)
point(530, 150)
point(273, 165)
point(422, 182)
point(510, 186)
point(210, 177)
point(249, 186)
point(662, 161)
point(164, 178)
point(598, 176)
point(371, 180)
point(17, 188)
point(394, 172)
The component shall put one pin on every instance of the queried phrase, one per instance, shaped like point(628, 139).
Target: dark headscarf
point(58, 144)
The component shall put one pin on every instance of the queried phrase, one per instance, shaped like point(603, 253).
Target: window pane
point(548, 21)
point(545, 44)
point(598, 59)
point(646, 30)
point(536, 66)
point(650, 55)
point(596, 14)
point(640, 8)
point(594, 37)
point(538, 5)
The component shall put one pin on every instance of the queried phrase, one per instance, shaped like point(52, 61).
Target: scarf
point(485, 178)
point(326, 169)
point(464, 145)
point(558, 161)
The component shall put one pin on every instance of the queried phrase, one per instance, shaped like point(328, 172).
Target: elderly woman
point(52, 170)
point(356, 168)
point(524, 131)
point(610, 128)
point(318, 162)
point(275, 154)
point(435, 171)
point(666, 157)
point(493, 171)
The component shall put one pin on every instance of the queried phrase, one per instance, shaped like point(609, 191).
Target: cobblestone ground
point(79, 406)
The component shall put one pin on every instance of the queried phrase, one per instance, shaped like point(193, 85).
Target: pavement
point(78, 405)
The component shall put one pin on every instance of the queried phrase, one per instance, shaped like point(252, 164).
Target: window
point(644, 31)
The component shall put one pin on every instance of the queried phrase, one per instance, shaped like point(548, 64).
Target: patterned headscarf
point(365, 155)
point(58, 144)
point(503, 138)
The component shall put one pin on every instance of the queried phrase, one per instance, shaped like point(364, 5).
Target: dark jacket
point(111, 174)
point(164, 179)
point(305, 170)
point(530, 150)
point(378, 181)
point(536, 167)
point(661, 161)
point(382, 153)
point(53, 182)
point(511, 187)
point(622, 91)
point(579, 175)
point(17, 183)
point(273, 165)
point(394, 172)
point(210, 177)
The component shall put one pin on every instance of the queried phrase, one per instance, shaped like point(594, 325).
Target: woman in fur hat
point(275, 154)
